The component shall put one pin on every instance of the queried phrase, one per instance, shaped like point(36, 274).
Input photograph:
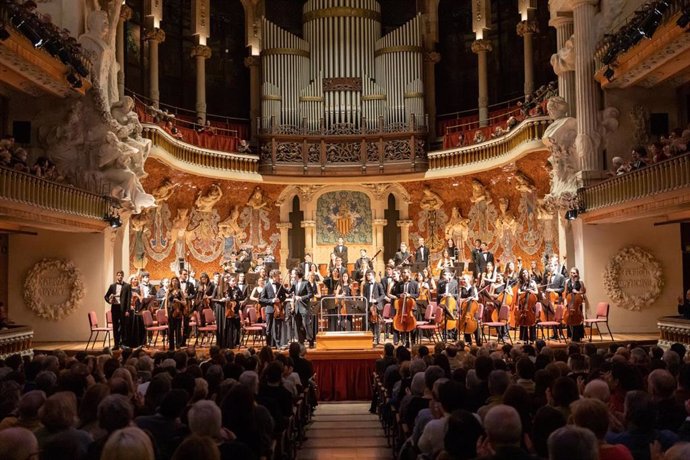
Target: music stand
point(270, 266)
point(471, 267)
point(418, 267)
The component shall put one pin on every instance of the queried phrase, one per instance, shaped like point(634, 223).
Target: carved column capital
point(380, 222)
point(125, 13)
point(432, 56)
point(308, 224)
point(561, 20)
point(482, 46)
point(404, 223)
point(284, 226)
point(201, 51)
point(252, 61)
point(573, 4)
point(156, 35)
point(527, 27)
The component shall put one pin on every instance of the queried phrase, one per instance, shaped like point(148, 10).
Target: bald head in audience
point(573, 443)
point(18, 444)
point(597, 389)
point(503, 426)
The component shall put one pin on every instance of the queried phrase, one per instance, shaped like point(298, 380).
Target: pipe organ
point(343, 76)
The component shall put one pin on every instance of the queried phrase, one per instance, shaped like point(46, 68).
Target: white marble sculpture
point(564, 59)
point(560, 137)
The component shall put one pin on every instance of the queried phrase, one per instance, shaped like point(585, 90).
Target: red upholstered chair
point(433, 326)
point(602, 317)
point(387, 320)
point(94, 328)
point(149, 325)
point(251, 327)
point(503, 317)
point(557, 322)
point(209, 327)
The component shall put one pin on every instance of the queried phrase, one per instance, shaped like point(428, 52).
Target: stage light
point(571, 214)
point(74, 80)
point(684, 19)
point(608, 73)
point(113, 220)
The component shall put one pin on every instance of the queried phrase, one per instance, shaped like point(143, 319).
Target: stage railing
point(665, 176)
point(531, 129)
point(206, 158)
point(355, 318)
point(27, 189)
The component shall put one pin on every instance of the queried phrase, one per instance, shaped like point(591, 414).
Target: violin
point(230, 307)
point(278, 307)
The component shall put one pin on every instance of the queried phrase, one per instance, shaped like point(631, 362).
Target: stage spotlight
point(608, 73)
point(113, 220)
point(74, 80)
point(684, 19)
point(571, 214)
point(653, 18)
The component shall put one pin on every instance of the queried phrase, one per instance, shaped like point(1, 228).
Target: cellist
point(469, 292)
point(447, 287)
point(576, 286)
point(555, 283)
point(406, 286)
point(527, 286)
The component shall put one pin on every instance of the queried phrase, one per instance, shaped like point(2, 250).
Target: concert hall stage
point(345, 375)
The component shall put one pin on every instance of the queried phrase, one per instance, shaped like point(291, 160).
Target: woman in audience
point(129, 443)
point(251, 423)
point(594, 415)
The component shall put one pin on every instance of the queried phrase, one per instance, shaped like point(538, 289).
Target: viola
point(451, 311)
point(404, 320)
point(468, 316)
point(230, 307)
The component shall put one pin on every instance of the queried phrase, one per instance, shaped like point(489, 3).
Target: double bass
point(404, 320)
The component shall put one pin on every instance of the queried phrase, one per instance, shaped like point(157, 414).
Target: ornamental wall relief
point(53, 289)
point(633, 278)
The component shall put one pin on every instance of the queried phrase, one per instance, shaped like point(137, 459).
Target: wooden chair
point(149, 326)
point(387, 320)
point(503, 318)
point(602, 317)
point(433, 325)
point(251, 327)
point(557, 323)
point(94, 328)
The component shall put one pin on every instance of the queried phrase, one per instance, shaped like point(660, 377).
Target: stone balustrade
point(531, 129)
point(34, 191)
point(666, 176)
point(673, 329)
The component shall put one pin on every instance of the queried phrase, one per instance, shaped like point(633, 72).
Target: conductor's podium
point(344, 324)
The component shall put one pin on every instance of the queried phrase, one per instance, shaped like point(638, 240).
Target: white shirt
point(118, 291)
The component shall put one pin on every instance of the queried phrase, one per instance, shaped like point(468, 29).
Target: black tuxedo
point(421, 256)
point(412, 289)
point(273, 327)
point(402, 258)
point(341, 251)
point(555, 282)
point(452, 288)
point(303, 293)
point(375, 296)
point(118, 310)
point(483, 258)
point(306, 267)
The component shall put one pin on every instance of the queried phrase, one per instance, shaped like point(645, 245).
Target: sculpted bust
point(102, 55)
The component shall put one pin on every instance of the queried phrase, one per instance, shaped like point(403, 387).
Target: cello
point(572, 315)
point(450, 307)
point(404, 320)
point(526, 314)
point(468, 317)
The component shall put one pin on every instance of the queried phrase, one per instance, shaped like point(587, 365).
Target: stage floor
point(368, 353)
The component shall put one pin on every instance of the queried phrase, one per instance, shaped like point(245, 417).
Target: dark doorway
point(391, 232)
point(296, 233)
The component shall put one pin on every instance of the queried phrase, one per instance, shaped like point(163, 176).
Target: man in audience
point(503, 435)
point(450, 397)
point(573, 443)
point(18, 443)
point(165, 426)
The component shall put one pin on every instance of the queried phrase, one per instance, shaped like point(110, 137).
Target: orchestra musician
point(148, 291)
point(469, 292)
point(202, 297)
point(555, 282)
point(174, 304)
point(341, 250)
point(421, 255)
point(447, 287)
point(526, 285)
point(424, 295)
point(119, 296)
point(376, 296)
point(307, 266)
point(453, 251)
point(313, 278)
point(233, 304)
point(273, 295)
point(406, 286)
point(476, 255)
point(484, 257)
point(302, 293)
point(189, 291)
point(344, 306)
point(535, 273)
point(256, 291)
point(331, 282)
point(510, 274)
point(362, 265)
point(218, 302)
point(332, 262)
point(574, 285)
point(137, 332)
point(428, 277)
point(446, 261)
point(402, 257)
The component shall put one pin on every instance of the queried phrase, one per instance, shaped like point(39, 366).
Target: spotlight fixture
point(571, 214)
point(684, 19)
point(113, 220)
point(653, 18)
point(74, 80)
point(609, 73)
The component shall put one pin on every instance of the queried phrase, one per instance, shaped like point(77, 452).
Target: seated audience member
point(460, 441)
point(274, 397)
point(18, 443)
point(5, 158)
point(114, 413)
point(88, 409)
point(639, 158)
point(503, 435)
point(205, 419)
point(27, 412)
point(573, 443)
point(640, 418)
point(59, 418)
point(594, 415)
point(451, 396)
point(684, 305)
point(19, 160)
point(546, 421)
point(498, 384)
point(129, 443)
point(165, 426)
point(251, 423)
point(197, 447)
point(661, 386)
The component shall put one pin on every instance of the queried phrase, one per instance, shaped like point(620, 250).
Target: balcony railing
point(26, 189)
point(531, 129)
point(666, 176)
point(187, 153)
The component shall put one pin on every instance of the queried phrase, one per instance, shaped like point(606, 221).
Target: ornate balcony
point(16, 340)
point(658, 189)
point(62, 204)
point(490, 152)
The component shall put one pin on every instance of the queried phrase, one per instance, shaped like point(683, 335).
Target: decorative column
point(405, 231)
point(481, 48)
point(155, 37)
point(125, 15)
point(588, 139)
point(201, 53)
point(284, 244)
point(526, 29)
point(431, 58)
point(380, 262)
point(254, 65)
point(563, 62)
point(309, 227)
